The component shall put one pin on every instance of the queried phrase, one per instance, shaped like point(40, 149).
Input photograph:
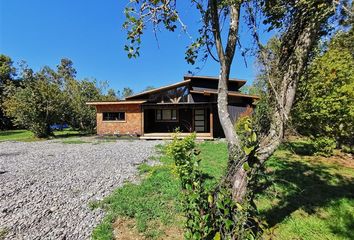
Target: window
point(166, 115)
point(114, 116)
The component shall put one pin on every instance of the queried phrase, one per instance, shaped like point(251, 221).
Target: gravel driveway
point(45, 187)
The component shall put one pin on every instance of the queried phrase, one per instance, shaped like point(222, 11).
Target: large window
point(166, 115)
point(114, 116)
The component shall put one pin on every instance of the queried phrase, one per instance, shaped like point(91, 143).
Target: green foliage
point(195, 199)
point(111, 95)
point(78, 114)
point(324, 146)
point(127, 92)
point(7, 70)
point(156, 197)
point(325, 98)
point(303, 197)
point(38, 100)
point(7, 73)
point(248, 136)
point(210, 213)
point(37, 103)
point(307, 197)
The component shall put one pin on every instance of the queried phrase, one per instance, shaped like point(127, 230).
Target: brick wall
point(131, 125)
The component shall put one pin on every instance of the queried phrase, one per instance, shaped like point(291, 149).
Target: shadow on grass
point(300, 148)
point(307, 187)
point(11, 132)
point(67, 135)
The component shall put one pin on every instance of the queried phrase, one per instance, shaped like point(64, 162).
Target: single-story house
point(189, 105)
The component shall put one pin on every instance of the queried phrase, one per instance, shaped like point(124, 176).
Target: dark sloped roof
point(164, 88)
point(240, 82)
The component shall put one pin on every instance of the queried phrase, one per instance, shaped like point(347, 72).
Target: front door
point(199, 120)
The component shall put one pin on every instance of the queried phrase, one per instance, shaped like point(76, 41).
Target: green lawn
point(310, 197)
point(27, 136)
point(305, 197)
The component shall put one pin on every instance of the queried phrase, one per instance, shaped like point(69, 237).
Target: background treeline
point(37, 100)
point(324, 107)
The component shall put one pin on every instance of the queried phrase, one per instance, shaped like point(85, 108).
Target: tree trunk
point(298, 42)
point(291, 63)
point(236, 177)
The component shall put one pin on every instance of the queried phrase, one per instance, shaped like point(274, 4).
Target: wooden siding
point(131, 125)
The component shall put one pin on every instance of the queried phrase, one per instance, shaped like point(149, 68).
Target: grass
point(154, 202)
point(73, 141)
point(3, 232)
point(305, 197)
point(16, 135)
point(27, 136)
point(309, 198)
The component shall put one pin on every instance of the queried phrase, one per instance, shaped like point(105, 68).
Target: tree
point(300, 25)
point(111, 94)
point(325, 98)
point(82, 116)
point(77, 93)
point(127, 92)
point(148, 88)
point(37, 103)
point(7, 74)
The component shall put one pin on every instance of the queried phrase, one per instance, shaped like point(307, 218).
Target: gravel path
point(45, 187)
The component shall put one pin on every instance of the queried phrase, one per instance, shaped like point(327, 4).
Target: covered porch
point(161, 120)
point(168, 136)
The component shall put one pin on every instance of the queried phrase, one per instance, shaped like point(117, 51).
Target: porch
point(161, 120)
point(168, 136)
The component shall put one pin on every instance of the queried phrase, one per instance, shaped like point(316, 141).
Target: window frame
point(161, 115)
point(123, 120)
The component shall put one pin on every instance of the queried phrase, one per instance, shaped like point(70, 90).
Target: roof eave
point(96, 103)
point(233, 94)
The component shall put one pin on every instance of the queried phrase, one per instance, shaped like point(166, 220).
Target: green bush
point(348, 148)
point(324, 146)
point(210, 214)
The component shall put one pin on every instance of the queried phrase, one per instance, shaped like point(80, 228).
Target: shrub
point(348, 148)
point(324, 146)
point(209, 214)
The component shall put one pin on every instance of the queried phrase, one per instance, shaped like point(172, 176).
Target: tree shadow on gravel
point(304, 186)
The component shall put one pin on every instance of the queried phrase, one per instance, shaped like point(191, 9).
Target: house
point(189, 105)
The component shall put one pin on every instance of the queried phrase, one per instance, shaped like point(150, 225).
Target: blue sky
point(90, 34)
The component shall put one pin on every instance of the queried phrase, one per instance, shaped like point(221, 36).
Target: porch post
point(211, 122)
point(142, 120)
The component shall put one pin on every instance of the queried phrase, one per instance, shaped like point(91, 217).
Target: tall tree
point(300, 25)
point(127, 92)
point(37, 103)
point(7, 74)
point(77, 93)
point(111, 95)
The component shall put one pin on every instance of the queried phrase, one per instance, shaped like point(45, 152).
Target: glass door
point(199, 120)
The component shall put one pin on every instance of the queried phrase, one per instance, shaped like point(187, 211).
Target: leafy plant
point(247, 135)
point(325, 100)
point(210, 214)
point(324, 146)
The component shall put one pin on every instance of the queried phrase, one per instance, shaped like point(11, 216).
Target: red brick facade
point(131, 125)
